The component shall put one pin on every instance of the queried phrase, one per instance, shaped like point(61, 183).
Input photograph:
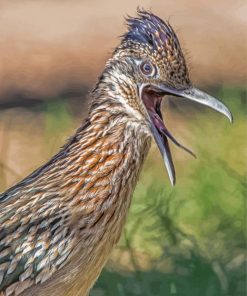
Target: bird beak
point(201, 97)
point(151, 98)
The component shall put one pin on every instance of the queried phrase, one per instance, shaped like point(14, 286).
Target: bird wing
point(35, 240)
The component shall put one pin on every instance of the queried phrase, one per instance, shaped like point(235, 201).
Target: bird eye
point(147, 69)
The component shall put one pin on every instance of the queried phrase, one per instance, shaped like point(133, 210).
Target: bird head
point(155, 61)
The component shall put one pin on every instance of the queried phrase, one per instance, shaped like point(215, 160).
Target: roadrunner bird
point(59, 225)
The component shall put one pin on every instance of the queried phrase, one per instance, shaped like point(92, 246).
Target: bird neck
point(117, 92)
point(103, 163)
point(112, 144)
point(113, 139)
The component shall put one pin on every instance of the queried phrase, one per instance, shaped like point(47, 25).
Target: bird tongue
point(162, 129)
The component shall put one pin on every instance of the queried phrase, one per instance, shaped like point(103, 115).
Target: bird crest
point(149, 29)
point(150, 36)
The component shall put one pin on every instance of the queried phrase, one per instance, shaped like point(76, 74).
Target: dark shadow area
point(15, 98)
point(197, 277)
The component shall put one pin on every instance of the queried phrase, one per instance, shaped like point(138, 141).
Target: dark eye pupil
point(147, 68)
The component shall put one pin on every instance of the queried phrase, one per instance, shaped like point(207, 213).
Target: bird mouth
point(152, 99)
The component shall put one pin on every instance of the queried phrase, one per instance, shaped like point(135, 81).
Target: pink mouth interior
point(152, 101)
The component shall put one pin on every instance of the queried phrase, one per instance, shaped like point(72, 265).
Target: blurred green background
point(189, 240)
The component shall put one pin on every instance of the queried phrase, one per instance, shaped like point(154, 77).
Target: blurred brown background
point(51, 48)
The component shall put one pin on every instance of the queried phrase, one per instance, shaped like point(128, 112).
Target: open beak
point(152, 97)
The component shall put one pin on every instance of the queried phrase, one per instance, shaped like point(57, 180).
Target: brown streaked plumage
point(59, 225)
